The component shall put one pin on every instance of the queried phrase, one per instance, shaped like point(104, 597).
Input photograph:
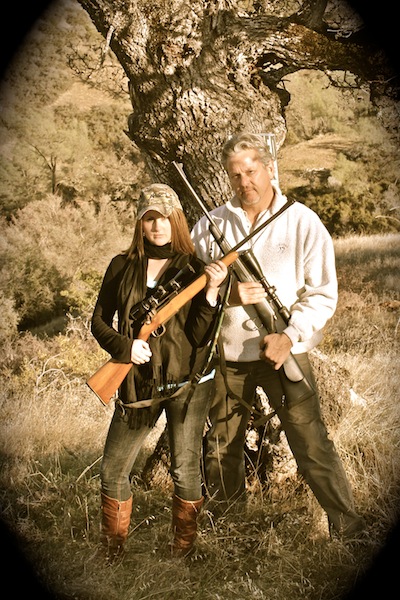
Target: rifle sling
point(233, 396)
point(263, 417)
point(152, 401)
point(262, 226)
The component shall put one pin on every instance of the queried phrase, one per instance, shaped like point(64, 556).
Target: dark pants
point(315, 453)
point(186, 423)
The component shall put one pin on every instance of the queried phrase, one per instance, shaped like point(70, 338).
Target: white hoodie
point(296, 255)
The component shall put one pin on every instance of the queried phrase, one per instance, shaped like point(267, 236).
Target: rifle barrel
point(185, 180)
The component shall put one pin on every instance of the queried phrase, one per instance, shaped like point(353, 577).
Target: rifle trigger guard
point(159, 331)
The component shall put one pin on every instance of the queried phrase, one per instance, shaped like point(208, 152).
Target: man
point(296, 255)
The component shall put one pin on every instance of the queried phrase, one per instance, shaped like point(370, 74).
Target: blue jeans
point(185, 430)
point(314, 451)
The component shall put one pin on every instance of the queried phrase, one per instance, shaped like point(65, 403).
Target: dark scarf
point(160, 377)
point(152, 251)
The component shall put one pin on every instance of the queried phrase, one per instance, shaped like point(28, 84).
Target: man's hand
point(275, 348)
point(247, 292)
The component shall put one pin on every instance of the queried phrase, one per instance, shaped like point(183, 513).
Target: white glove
point(140, 352)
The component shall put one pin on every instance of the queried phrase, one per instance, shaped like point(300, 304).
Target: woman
point(160, 249)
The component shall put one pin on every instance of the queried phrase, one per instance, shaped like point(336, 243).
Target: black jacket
point(192, 326)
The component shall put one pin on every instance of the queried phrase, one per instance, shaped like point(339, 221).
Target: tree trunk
point(200, 71)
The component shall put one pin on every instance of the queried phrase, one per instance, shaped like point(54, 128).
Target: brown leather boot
point(116, 517)
point(184, 525)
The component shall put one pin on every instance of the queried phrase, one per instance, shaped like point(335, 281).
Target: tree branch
point(311, 14)
point(277, 47)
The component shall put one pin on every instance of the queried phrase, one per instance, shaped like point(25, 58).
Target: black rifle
point(272, 314)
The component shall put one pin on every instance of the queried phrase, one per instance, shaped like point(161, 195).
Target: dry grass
point(52, 435)
point(298, 160)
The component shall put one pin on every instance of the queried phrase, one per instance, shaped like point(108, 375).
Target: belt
point(243, 364)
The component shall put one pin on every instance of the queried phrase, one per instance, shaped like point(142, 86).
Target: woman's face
point(156, 228)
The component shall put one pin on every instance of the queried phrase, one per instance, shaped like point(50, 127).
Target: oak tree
point(199, 71)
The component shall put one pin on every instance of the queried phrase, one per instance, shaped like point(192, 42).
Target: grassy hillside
point(338, 159)
point(52, 434)
point(62, 128)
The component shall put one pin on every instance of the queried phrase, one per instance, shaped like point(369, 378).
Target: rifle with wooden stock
point(271, 312)
point(158, 310)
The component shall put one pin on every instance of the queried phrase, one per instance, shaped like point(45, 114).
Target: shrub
point(9, 318)
point(53, 256)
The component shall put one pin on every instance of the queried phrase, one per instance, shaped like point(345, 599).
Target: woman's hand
point(216, 273)
point(140, 352)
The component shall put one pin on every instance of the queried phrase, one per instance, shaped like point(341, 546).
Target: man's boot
point(184, 525)
point(346, 526)
point(115, 520)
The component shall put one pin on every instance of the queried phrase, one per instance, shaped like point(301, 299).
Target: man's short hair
point(246, 141)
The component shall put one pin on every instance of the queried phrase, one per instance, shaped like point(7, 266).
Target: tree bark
point(201, 71)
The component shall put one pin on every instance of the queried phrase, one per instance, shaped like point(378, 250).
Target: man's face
point(251, 180)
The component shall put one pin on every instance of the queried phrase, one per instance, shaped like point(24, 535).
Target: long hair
point(246, 141)
point(181, 242)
